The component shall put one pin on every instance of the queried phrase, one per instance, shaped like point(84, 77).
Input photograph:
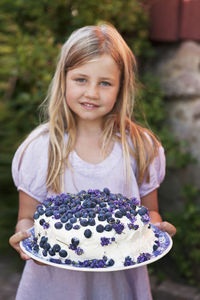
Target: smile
point(89, 105)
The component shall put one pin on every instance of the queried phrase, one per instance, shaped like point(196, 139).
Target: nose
point(92, 92)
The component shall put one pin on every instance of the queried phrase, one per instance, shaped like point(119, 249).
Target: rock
point(178, 68)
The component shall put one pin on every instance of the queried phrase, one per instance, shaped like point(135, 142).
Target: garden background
point(32, 33)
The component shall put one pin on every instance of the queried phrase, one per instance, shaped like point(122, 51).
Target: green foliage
point(31, 36)
point(186, 255)
point(150, 111)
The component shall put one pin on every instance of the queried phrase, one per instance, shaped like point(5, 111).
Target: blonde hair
point(83, 45)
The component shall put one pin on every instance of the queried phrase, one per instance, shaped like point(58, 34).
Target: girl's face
point(92, 88)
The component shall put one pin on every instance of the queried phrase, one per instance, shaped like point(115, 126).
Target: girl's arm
point(27, 207)
point(151, 202)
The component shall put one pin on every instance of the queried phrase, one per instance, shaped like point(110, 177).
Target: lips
point(89, 106)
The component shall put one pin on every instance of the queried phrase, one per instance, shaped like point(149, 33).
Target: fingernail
point(157, 224)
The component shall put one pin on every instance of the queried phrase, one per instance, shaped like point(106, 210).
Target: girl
point(89, 142)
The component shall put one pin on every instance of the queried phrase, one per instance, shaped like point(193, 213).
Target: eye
point(105, 83)
point(80, 80)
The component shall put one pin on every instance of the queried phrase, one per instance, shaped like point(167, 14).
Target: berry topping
point(100, 228)
point(56, 248)
point(75, 241)
point(87, 233)
point(106, 191)
point(63, 253)
point(110, 262)
point(108, 227)
point(73, 220)
point(84, 222)
point(68, 226)
point(142, 211)
point(58, 225)
point(118, 214)
point(91, 222)
point(101, 217)
point(36, 215)
point(42, 221)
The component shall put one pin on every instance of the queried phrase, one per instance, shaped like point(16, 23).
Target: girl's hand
point(15, 239)
point(166, 226)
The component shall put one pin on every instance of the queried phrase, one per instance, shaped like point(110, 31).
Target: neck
point(89, 128)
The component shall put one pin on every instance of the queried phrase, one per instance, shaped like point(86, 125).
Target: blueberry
point(64, 219)
point(93, 204)
point(68, 261)
point(44, 252)
point(63, 253)
point(133, 212)
point(92, 214)
point(123, 211)
point(78, 214)
point(100, 228)
point(118, 214)
point(44, 239)
point(56, 248)
point(68, 226)
point(85, 215)
point(58, 225)
point(51, 252)
point(101, 217)
point(36, 215)
point(48, 213)
point(108, 227)
point(106, 191)
point(69, 215)
point(102, 204)
point(91, 222)
point(36, 248)
point(73, 220)
point(108, 214)
point(111, 220)
point(87, 233)
point(42, 221)
point(84, 222)
point(47, 246)
point(142, 211)
point(75, 241)
point(40, 210)
point(110, 262)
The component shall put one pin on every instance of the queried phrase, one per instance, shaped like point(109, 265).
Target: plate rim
point(110, 269)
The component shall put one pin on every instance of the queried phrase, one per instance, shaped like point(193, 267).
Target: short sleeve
point(156, 173)
point(29, 166)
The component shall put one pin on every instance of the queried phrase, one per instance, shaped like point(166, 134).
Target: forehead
point(102, 65)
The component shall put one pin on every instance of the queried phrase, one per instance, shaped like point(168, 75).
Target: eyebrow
point(101, 78)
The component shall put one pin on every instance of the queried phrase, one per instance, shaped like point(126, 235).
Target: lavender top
point(48, 282)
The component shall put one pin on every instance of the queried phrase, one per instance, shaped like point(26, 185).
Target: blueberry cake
point(93, 229)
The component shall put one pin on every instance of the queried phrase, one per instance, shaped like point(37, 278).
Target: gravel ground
point(9, 277)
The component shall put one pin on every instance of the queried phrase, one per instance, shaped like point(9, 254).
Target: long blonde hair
point(83, 45)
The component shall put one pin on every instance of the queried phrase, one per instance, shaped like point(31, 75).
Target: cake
point(93, 229)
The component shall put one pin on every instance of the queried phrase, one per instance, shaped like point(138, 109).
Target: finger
point(39, 263)
point(18, 236)
point(14, 242)
point(166, 226)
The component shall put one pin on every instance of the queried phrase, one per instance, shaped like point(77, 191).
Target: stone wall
point(178, 67)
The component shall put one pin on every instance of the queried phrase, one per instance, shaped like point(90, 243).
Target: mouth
point(89, 106)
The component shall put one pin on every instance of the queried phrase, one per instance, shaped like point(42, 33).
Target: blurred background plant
point(32, 33)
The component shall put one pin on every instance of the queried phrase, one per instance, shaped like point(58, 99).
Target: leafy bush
point(185, 256)
point(31, 36)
